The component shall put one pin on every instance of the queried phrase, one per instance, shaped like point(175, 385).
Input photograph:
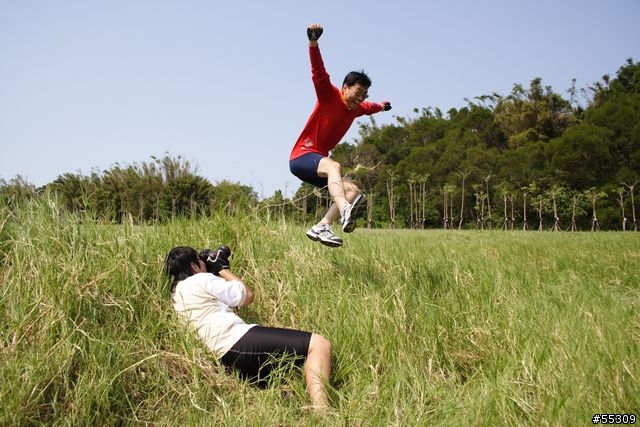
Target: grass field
point(431, 327)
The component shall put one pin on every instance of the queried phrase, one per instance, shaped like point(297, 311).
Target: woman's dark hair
point(357, 77)
point(178, 264)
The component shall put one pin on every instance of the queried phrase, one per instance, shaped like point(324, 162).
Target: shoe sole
point(358, 206)
point(329, 243)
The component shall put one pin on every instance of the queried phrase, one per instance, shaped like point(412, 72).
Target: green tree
point(16, 190)
point(534, 114)
point(73, 191)
point(582, 156)
point(233, 197)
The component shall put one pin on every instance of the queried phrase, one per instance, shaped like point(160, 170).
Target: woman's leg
point(253, 352)
point(317, 370)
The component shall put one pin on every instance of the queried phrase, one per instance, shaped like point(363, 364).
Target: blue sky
point(226, 85)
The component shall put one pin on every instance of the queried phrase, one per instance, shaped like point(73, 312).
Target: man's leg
point(350, 191)
point(314, 169)
point(357, 206)
point(348, 202)
point(343, 192)
point(332, 170)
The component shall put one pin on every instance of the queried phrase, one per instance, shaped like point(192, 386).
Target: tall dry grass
point(428, 327)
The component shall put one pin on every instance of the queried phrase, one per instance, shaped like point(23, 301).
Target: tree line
point(531, 159)
point(155, 190)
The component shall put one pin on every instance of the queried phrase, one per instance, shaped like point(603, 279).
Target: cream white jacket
point(206, 302)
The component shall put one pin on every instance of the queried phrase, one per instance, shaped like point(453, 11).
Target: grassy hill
point(428, 327)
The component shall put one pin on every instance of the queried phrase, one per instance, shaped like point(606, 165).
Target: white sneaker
point(324, 234)
point(351, 212)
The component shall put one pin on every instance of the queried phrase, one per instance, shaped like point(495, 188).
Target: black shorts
point(305, 167)
point(262, 349)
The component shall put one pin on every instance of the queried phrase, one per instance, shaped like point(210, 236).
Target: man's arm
point(375, 107)
point(319, 75)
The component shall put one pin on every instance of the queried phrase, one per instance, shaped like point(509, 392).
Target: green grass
point(429, 327)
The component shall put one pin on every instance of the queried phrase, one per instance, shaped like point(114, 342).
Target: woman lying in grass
point(205, 293)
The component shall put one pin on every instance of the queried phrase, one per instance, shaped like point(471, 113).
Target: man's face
point(354, 95)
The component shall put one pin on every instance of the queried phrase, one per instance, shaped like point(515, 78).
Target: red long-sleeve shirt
point(331, 118)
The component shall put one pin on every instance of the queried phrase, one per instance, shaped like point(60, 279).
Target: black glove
point(216, 259)
point(314, 33)
point(386, 106)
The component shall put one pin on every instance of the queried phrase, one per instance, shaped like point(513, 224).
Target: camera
point(216, 259)
point(221, 250)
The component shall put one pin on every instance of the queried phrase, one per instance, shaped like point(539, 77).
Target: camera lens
point(225, 250)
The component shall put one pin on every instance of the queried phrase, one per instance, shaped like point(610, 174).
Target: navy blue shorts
point(262, 349)
point(305, 167)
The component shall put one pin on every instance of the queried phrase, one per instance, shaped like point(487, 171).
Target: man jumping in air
point(334, 112)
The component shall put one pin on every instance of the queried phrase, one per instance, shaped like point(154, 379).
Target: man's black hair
point(357, 77)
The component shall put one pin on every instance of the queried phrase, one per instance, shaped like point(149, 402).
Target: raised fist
point(386, 106)
point(314, 32)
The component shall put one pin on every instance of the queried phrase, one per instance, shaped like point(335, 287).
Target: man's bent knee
point(329, 166)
